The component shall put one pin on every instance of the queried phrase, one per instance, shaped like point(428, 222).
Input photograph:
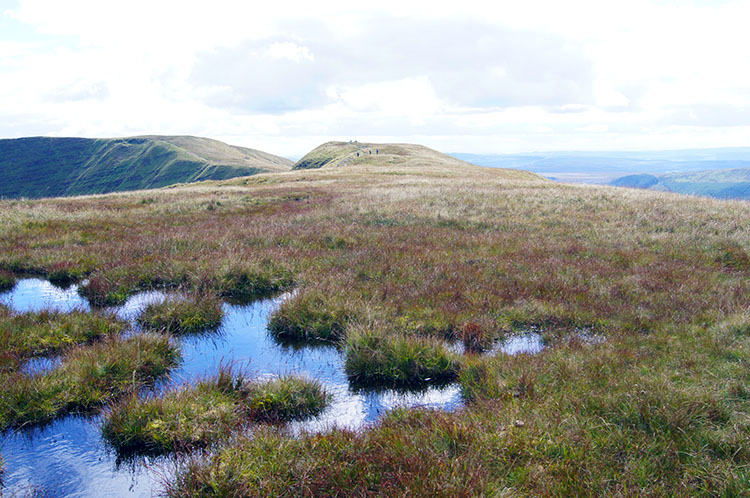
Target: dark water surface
point(69, 458)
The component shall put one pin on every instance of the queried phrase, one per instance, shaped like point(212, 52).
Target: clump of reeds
point(284, 399)
point(102, 290)
point(475, 338)
point(248, 282)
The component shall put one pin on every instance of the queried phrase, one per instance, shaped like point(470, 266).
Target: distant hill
point(723, 183)
point(396, 157)
point(50, 167)
point(604, 167)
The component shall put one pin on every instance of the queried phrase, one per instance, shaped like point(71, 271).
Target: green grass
point(7, 281)
point(45, 167)
point(24, 335)
point(308, 318)
point(249, 282)
point(191, 417)
point(182, 315)
point(209, 412)
point(88, 377)
point(576, 421)
point(284, 399)
point(378, 359)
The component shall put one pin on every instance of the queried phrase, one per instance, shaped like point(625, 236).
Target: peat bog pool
point(68, 457)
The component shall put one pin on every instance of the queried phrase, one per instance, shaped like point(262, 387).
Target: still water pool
point(69, 458)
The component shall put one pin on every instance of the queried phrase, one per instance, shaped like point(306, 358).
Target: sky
point(470, 76)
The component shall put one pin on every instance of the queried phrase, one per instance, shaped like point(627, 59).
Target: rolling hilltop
point(396, 159)
point(50, 167)
point(722, 183)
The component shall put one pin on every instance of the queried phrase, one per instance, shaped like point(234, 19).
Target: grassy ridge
point(47, 167)
point(426, 247)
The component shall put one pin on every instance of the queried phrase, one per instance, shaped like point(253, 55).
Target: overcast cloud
point(520, 76)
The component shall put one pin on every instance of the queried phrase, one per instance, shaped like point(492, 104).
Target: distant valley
point(722, 183)
point(50, 167)
point(722, 172)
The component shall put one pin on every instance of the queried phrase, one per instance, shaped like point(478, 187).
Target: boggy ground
point(412, 244)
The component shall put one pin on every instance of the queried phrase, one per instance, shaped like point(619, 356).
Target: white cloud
point(527, 75)
point(290, 51)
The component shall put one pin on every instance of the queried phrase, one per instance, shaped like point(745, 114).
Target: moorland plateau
point(394, 251)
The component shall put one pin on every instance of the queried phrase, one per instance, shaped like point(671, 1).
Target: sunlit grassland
point(424, 249)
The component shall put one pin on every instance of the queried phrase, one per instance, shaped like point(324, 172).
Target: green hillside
point(722, 184)
point(403, 158)
point(49, 167)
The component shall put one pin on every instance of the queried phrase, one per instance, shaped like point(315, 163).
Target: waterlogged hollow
point(69, 458)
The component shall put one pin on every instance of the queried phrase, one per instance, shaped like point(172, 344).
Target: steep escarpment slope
point(48, 167)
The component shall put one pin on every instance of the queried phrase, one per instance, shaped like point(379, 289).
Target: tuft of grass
point(101, 291)
point(247, 282)
point(378, 359)
point(23, 335)
point(479, 380)
point(191, 417)
point(7, 281)
point(208, 412)
point(64, 274)
point(475, 338)
point(178, 315)
point(734, 257)
point(284, 399)
point(307, 317)
point(88, 377)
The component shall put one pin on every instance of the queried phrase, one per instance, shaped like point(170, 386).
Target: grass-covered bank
point(208, 412)
point(426, 247)
point(87, 378)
